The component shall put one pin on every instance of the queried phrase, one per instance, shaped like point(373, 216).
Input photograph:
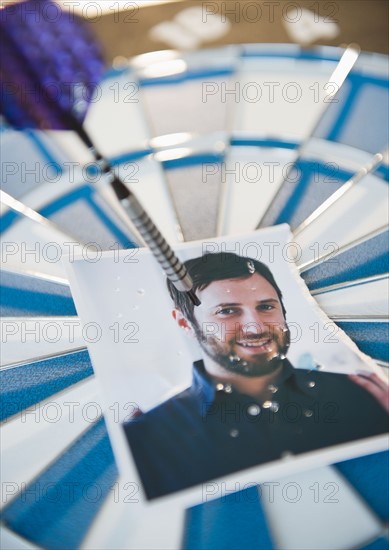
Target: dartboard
point(214, 142)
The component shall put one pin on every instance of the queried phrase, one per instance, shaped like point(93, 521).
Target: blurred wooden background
point(126, 33)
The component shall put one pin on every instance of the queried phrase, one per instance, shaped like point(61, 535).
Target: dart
point(52, 92)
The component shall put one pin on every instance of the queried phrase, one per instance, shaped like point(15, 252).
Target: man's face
point(241, 326)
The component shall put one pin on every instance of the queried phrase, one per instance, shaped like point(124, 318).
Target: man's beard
point(231, 354)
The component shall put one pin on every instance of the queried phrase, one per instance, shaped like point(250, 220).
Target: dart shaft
point(173, 268)
point(163, 253)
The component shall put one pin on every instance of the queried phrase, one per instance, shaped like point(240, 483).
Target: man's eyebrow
point(228, 304)
point(232, 304)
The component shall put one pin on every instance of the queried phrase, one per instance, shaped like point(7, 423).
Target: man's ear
point(182, 321)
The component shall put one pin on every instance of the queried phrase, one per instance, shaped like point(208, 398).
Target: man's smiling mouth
point(258, 344)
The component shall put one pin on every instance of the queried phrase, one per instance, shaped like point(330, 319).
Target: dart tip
point(193, 297)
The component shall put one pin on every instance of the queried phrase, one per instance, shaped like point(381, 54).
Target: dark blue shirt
point(211, 430)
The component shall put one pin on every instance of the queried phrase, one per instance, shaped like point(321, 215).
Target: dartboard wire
point(378, 159)
point(355, 317)
point(368, 297)
point(38, 358)
point(324, 257)
point(28, 273)
point(361, 318)
point(337, 79)
point(349, 284)
point(33, 331)
point(29, 213)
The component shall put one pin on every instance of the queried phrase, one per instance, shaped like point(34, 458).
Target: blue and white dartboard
point(214, 142)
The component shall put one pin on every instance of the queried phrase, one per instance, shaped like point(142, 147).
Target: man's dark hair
point(217, 267)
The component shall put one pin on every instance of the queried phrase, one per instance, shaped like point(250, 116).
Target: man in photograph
point(247, 404)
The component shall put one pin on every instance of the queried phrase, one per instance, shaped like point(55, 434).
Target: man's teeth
point(255, 343)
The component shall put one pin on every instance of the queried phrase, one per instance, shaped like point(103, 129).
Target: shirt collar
point(202, 384)
point(205, 388)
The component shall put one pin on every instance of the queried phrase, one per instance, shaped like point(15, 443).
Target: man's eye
point(266, 307)
point(226, 311)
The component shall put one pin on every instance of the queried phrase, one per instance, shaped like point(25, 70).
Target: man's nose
point(252, 323)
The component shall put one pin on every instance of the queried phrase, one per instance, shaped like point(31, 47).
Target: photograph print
point(253, 375)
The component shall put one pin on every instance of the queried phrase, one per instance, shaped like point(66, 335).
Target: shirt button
point(228, 388)
point(254, 410)
point(219, 387)
point(234, 433)
point(273, 388)
point(311, 384)
point(272, 405)
point(308, 413)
